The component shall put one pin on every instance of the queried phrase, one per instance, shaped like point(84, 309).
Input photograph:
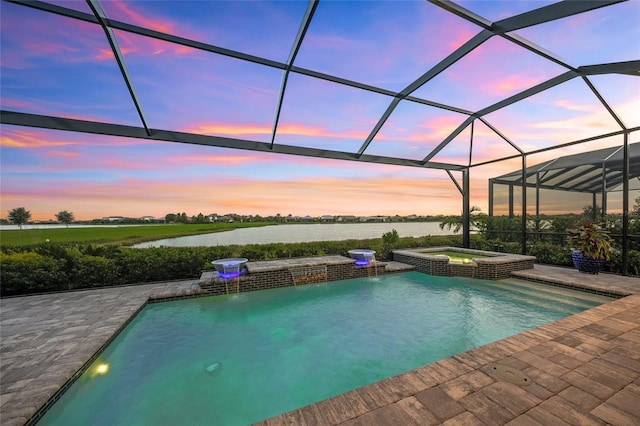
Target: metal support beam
point(552, 82)
point(448, 139)
point(84, 126)
point(491, 196)
point(113, 42)
point(383, 119)
point(604, 189)
point(297, 43)
point(511, 201)
point(562, 145)
point(626, 67)
point(550, 13)
point(524, 204)
point(500, 28)
point(604, 103)
point(466, 205)
point(503, 137)
point(170, 38)
point(471, 143)
point(437, 69)
point(505, 102)
point(537, 194)
point(625, 205)
point(455, 182)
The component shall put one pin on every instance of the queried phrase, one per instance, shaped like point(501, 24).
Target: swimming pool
point(241, 358)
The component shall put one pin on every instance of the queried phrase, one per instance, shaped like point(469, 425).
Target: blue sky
point(55, 65)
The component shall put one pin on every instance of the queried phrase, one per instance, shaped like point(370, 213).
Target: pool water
point(238, 359)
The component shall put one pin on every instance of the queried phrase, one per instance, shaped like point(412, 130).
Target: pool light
point(229, 275)
point(102, 369)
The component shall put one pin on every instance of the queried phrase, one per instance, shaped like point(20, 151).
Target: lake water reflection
point(301, 233)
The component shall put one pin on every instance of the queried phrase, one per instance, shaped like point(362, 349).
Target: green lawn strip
point(121, 235)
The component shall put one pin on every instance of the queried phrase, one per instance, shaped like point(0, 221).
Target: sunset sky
point(54, 65)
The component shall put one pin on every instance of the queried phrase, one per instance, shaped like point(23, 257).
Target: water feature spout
point(229, 269)
point(365, 258)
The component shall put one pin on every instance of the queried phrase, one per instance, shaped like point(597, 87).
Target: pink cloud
point(107, 54)
point(221, 159)
point(407, 128)
point(19, 137)
point(63, 154)
point(146, 20)
point(574, 106)
point(18, 103)
point(49, 36)
point(133, 44)
point(232, 129)
point(30, 139)
point(510, 84)
point(314, 195)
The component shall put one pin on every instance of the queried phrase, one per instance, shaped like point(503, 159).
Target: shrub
point(160, 264)
point(23, 273)
point(389, 242)
point(58, 267)
point(633, 262)
point(551, 254)
point(94, 271)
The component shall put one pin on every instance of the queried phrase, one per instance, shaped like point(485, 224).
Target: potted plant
point(591, 246)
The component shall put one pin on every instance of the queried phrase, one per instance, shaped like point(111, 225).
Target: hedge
point(59, 267)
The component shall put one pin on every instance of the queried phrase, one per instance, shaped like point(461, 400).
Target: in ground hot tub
point(470, 263)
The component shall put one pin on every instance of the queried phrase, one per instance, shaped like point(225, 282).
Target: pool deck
point(584, 369)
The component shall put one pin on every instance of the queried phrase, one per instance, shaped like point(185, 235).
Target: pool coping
point(24, 390)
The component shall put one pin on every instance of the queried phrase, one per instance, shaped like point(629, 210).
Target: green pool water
point(238, 359)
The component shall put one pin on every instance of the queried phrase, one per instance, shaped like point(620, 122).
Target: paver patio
point(584, 369)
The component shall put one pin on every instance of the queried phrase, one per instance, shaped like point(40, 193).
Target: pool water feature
point(238, 359)
point(363, 257)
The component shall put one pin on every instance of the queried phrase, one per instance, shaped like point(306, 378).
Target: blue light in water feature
point(229, 275)
point(363, 262)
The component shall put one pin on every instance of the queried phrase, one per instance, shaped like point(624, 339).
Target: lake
point(299, 233)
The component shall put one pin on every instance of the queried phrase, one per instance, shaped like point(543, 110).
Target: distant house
point(327, 218)
point(151, 219)
point(374, 219)
point(307, 218)
point(347, 219)
point(113, 219)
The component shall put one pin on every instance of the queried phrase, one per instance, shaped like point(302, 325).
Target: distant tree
point(183, 218)
point(65, 217)
point(587, 211)
point(477, 219)
point(170, 218)
point(19, 216)
point(636, 206)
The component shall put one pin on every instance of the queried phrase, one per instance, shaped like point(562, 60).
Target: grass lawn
point(121, 235)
